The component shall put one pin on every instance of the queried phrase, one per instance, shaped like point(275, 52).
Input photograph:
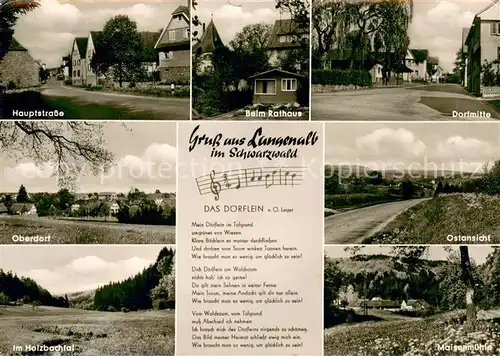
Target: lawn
point(147, 333)
point(72, 109)
point(411, 337)
point(84, 232)
point(432, 221)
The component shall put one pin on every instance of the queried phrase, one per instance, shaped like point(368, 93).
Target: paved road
point(162, 108)
point(352, 227)
point(423, 102)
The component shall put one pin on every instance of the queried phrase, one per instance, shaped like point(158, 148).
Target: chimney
point(203, 27)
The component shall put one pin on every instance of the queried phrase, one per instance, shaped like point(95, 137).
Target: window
point(171, 35)
point(498, 53)
point(285, 39)
point(289, 84)
point(78, 73)
point(186, 33)
point(74, 73)
point(495, 28)
point(74, 62)
point(265, 86)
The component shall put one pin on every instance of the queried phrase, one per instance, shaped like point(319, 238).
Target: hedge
point(356, 77)
point(349, 200)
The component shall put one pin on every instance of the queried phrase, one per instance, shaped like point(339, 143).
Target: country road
point(161, 108)
point(351, 227)
point(411, 103)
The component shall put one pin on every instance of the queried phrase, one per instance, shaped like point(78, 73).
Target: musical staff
point(266, 177)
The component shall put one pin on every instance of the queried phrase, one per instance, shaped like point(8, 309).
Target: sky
point(229, 19)
point(476, 253)
point(145, 158)
point(67, 269)
point(417, 146)
point(48, 31)
point(437, 26)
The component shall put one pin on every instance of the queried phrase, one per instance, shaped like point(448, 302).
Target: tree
point(104, 210)
point(68, 146)
point(65, 199)
point(35, 304)
point(407, 188)
point(468, 279)
point(22, 195)
point(10, 11)
point(124, 50)
point(3, 299)
point(252, 38)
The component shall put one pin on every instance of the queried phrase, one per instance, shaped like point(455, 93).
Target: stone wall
point(20, 69)
point(175, 75)
point(320, 88)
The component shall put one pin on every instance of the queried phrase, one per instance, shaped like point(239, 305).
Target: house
point(3, 209)
point(75, 208)
point(416, 60)
point(174, 48)
point(378, 303)
point(23, 209)
point(204, 48)
point(482, 44)
point(66, 66)
point(415, 304)
point(18, 69)
point(114, 208)
point(464, 59)
point(275, 86)
point(107, 196)
point(285, 37)
point(82, 196)
point(78, 61)
point(92, 46)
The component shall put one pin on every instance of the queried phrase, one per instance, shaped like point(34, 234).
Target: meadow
point(433, 220)
point(91, 332)
point(84, 232)
point(405, 336)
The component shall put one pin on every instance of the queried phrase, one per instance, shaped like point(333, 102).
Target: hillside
point(82, 300)
point(432, 221)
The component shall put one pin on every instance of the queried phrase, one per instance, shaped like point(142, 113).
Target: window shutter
point(493, 28)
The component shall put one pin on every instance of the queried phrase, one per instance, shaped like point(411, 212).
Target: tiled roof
point(181, 10)
point(284, 27)
point(81, 43)
point(210, 40)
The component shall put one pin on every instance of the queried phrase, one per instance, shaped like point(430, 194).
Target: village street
point(351, 227)
point(153, 107)
point(411, 103)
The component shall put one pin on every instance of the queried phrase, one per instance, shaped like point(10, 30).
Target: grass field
point(432, 221)
point(91, 332)
point(84, 232)
point(411, 337)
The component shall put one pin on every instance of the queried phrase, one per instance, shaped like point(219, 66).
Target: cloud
point(229, 20)
point(86, 273)
point(439, 29)
point(389, 142)
point(458, 147)
point(48, 31)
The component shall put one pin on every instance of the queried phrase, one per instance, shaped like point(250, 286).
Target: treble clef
point(215, 186)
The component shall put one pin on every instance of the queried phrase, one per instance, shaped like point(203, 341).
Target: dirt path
point(353, 226)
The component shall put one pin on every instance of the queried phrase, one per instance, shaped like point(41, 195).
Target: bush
point(111, 308)
point(303, 92)
point(125, 310)
point(160, 304)
point(350, 200)
point(355, 77)
point(68, 82)
point(11, 85)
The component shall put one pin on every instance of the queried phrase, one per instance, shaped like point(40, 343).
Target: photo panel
point(405, 300)
point(109, 60)
point(252, 250)
point(76, 182)
point(412, 183)
point(405, 60)
point(87, 300)
point(250, 60)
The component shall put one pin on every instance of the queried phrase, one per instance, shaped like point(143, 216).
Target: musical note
point(259, 177)
point(226, 181)
point(293, 177)
point(239, 182)
point(287, 173)
point(215, 186)
point(272, 178)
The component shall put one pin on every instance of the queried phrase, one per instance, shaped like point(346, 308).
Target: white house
point(75, 208)
point(78, 61)
point(414, 304)
point(114, 208)
point(416, 60)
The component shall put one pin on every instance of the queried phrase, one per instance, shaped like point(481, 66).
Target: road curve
point(352, 227)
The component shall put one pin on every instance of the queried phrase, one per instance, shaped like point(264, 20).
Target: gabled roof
point(181, 10)
point(16, 207)
point(413, 302)
point(16, 46)
point(162, 41)
point(273, 71)
point(210, 40)
point(433, 60)
point(420, 55)
point(284, 27)
point(3, 208)
point(81, 43)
